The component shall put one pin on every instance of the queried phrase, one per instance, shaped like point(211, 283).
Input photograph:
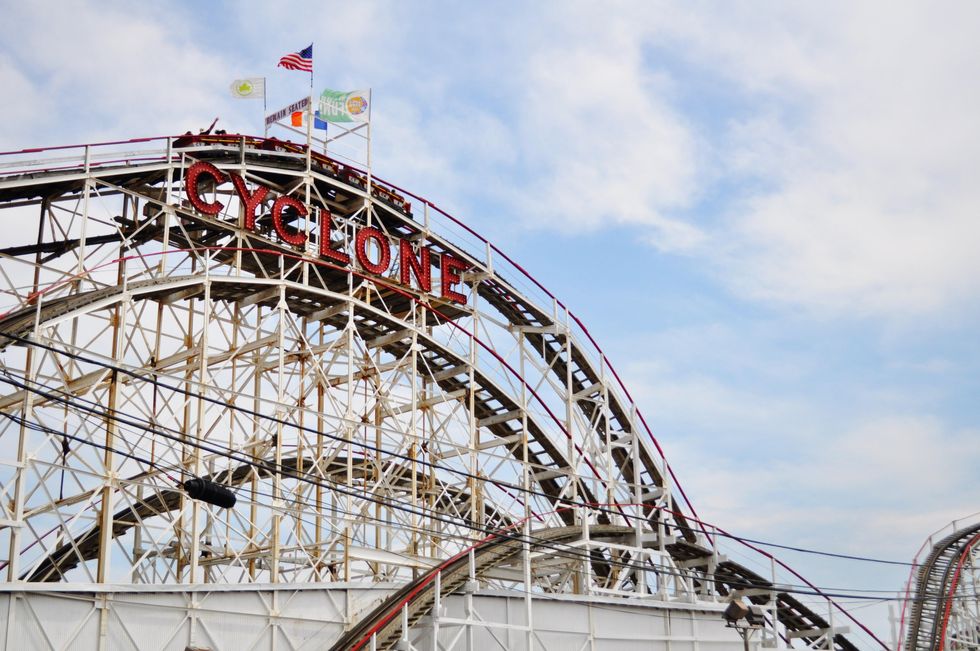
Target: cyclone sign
point(372, 248)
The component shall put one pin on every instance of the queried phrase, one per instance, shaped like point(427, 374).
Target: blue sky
point(767, 213)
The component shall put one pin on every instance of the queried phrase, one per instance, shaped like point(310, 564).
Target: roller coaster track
point(418, 597)
point(727, 576)
point(936, 582)
point(322, 297)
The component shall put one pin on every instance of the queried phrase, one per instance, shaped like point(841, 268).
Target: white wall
point(246, 618)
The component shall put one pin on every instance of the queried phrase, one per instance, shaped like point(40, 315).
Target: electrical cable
point(455, 471)
point(816, 592)
point(569, 553)
point(287, 424)
point(804, 592)
point(221, 450)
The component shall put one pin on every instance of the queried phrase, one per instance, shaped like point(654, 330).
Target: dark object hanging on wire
point(210, 492)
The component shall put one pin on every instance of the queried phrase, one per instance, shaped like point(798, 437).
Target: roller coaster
point(942, 610)
point(392, 400)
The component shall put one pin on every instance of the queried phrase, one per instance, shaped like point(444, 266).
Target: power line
point(558, 548)
point(394, 503)
point(430, 464)
point(291, 425)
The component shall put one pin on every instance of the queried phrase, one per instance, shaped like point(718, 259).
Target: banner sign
point(337, 106)
point(283, 113)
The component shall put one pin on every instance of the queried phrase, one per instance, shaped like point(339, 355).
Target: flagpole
point(309, 145)
point(309, 122)
point(265, 108)
point(370, 105)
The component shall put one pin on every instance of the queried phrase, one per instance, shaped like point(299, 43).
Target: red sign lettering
point(360, 248)
point(289, 236)
point(192, 183)
point(451, 270)
point(251, 200)
point(410, 264)
point(326, 225)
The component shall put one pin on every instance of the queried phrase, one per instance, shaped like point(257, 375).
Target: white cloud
point(867, 160)
point(847, 132)
point(887, 481)
point(602, 143)
point(120, 71)
point(451, 162)
point(699, 404)
point(830, 242)
point(776, 445)
point(21, 111)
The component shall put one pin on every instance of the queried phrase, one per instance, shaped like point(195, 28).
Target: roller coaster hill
point(255, 398)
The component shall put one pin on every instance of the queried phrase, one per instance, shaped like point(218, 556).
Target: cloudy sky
point(767, 213)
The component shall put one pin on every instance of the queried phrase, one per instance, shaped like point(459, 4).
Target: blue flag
point(318, 123)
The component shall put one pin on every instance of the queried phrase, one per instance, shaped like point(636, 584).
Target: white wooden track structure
point(370, 428)
point(941, 611)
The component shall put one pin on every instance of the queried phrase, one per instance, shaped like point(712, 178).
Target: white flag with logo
point(251, 88)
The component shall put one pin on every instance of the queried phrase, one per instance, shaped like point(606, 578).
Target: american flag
point(302, 60)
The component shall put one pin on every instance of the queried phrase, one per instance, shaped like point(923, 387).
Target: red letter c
point(296, 238)
point(194, 174)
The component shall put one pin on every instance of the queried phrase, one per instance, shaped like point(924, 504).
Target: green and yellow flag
point(337, 106)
